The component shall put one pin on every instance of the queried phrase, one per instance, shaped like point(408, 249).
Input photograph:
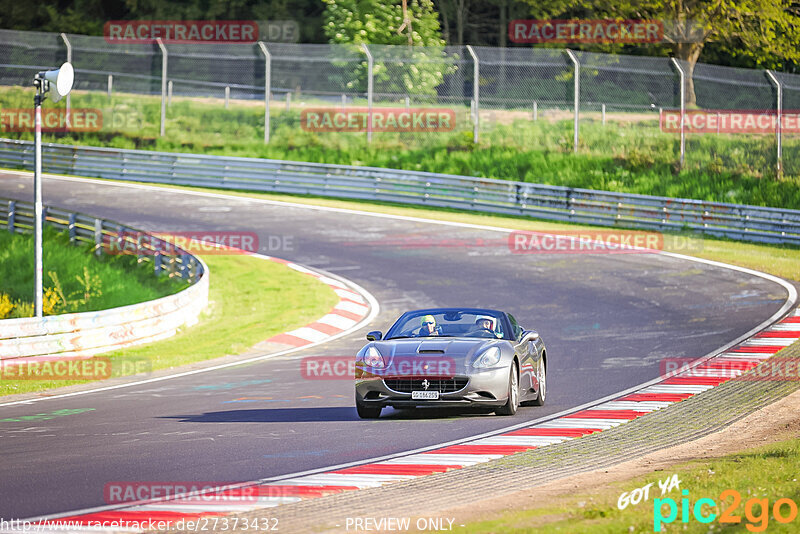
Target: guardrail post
point(476, 85)
point(72, 218)
point(682, 76)
point(69, 60)
point(779, 125)
point(121, 246)
point(12, 214)
point(184, 266)
point(157, 259)
point(98, 237)
point(370, 87)
point(577, 96)
point(163, 85)
point(267, 87)
point(570, 209)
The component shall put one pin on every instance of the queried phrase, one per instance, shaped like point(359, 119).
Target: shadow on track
point(320, 414)
point(275, 415)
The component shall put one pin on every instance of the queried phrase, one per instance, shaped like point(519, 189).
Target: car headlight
point(489, 358)
point(373, 358)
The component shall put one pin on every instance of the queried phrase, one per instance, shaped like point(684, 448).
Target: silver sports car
point(451, 357)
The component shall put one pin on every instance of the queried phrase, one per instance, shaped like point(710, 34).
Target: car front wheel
point(510, 407)
point(541, 377)
point(368, 412)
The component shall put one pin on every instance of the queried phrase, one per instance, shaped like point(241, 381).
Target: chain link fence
point(315, 94)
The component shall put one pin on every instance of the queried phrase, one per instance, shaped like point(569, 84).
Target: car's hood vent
point(433, 347)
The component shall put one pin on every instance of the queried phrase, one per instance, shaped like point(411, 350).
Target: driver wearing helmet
point(428, 327)
point(483, 324)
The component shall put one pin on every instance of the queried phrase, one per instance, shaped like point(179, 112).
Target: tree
point(760, 29)
point(416, 68)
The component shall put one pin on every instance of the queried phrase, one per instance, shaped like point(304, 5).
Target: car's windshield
point(448, 324)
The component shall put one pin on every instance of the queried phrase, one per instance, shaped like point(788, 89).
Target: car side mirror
point(375, 335)
point(530, 335)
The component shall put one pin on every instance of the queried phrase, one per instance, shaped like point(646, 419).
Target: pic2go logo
point(756, 511)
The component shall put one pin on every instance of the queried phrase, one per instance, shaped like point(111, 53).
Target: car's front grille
point(442, 385)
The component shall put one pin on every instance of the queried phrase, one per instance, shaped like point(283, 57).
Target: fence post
point(535, 110)
point(12, 215)
point(163, 85)
point(603, 112)
point(69, 60)
point(779, 126)
point(227, 95)
point(157, 259)
point(72, 219)
point(682, 75)
point(288, 100)
point(98, 237)
point(110, 84)
point(577, 94)
point(370, 88)
point(267, 87)
point(169, 93)
point(344, 101)
point(476, 86)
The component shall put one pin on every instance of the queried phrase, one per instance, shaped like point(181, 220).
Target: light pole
point(62, 80)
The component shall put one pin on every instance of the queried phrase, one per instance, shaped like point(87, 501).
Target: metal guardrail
point(106, 237)
point(87, 333)
point(585, 206)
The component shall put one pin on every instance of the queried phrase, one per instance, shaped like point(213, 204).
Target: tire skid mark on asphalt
point(674, 388)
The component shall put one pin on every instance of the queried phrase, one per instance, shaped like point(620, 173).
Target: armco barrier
point(85, 334)
point(735, 221)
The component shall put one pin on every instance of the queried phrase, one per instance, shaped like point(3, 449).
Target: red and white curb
point(351, 309)
point(596, 418)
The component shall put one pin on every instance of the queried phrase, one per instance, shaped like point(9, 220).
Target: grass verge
point(250, 300)
point(766, 474)
point(74, 279)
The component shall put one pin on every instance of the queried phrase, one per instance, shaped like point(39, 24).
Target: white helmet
point(486, 318)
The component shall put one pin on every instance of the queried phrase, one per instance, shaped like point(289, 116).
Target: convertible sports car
point(451, 357)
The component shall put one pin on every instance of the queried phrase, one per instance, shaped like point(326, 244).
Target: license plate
point(424, 395)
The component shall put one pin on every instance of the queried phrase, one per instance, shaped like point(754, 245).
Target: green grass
point(770, 472)
point(249, 300)
point(627, 155)
point(84, 281)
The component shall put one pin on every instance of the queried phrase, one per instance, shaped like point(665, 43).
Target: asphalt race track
point(607, 320)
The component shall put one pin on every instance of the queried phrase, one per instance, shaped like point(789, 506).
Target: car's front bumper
point(484, 388)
